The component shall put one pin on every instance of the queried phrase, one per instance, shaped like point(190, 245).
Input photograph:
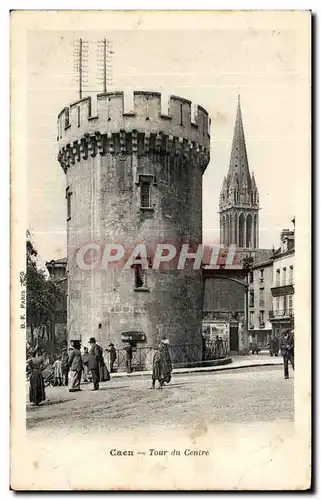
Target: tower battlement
point(140, 111)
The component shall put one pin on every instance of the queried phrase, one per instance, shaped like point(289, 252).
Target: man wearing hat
point(76, 366)
point(95, 361)
point(287, 350)
point(112, 356)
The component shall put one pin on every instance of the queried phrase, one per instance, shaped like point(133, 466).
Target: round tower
point(134, 175)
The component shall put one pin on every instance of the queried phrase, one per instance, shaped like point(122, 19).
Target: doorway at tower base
point(224, 336)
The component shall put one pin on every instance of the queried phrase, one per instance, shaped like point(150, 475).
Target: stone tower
point(134, 174)
point(239, 199)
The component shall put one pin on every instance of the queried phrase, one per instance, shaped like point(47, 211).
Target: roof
point(262, 256)
point(279, 253)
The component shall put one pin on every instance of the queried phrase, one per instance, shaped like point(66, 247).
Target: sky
point(210, 67)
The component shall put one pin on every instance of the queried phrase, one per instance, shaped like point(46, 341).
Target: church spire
point(239, 198)
point(238, 161)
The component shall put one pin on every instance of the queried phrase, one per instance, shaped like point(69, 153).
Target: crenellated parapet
point(133, 123)
point(158, 145)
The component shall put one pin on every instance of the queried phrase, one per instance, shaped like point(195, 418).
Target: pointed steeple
point(253, 182)
point(238, 162)
point(239, 198)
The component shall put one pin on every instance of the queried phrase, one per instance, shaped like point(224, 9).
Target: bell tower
point(239, 199)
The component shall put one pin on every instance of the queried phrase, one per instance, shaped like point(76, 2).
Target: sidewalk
point(235, 363)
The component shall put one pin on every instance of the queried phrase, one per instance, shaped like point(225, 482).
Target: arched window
point(249, 220)
point(241, 230)
point(230, 238)
point(235, 229)
point(255, 231)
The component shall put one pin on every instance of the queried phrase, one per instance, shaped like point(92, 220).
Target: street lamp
point(247, 266)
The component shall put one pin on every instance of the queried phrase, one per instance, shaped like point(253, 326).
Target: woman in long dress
point(36, 384)
point(157, 369)
point(166, 362)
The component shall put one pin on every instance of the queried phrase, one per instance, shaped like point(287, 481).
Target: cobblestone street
point(236, 396)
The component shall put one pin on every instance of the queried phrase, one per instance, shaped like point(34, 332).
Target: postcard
point(160, 257)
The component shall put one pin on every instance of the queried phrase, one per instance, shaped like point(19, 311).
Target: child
point(57, 371)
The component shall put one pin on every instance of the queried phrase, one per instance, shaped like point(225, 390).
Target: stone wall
point(105, 159)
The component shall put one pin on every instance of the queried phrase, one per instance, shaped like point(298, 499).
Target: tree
point(42, 292)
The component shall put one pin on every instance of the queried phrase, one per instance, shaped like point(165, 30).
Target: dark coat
point(37, 386)
point(165, 362)
point(75, 361)
point(112, 354)
point(95, 357)
point(157, 366)
point(287, 345)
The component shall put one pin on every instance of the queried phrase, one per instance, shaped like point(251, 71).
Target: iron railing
point(279, 313)
point(181, 354)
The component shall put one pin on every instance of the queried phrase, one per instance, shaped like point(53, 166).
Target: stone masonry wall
point(105, 158)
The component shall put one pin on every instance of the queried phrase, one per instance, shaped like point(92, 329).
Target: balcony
point(284, 288)
point(281, 313)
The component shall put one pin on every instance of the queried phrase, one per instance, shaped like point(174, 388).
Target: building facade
point(260, 300)
point(134, 174)
point(239, 198)
point(283, 287)
point(224, 304)
point(225, 290)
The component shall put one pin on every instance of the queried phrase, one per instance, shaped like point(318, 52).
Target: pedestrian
point(216, 346)
point(95, 361)
point(287, 351)
point(57, 371)
point(276, 346)
point(203, 347)
point(64, 366)
point(76, 366)
point(270, 345)
point(157, 373)
point(85, 360)
point(129, 357)
point(36, 383)
point(166, 362)
point(112, 356)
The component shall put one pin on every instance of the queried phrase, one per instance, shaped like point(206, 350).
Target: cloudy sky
point(209, 63)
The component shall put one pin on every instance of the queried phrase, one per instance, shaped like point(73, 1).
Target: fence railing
point(277, 313)
point(180, 354)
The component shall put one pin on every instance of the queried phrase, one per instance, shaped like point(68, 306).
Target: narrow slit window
point(181, 114)
point(140, 277)
point(68, 198)
point(78, 116)
point(145, 194)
